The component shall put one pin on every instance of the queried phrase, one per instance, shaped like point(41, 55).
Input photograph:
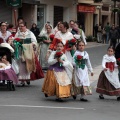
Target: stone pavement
point(97, 70)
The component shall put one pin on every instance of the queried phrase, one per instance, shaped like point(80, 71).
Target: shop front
point(86, 15)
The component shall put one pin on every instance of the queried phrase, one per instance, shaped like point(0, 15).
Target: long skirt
point(83, 90)
point(105, 87)
point(8, 74)
point(39, 73)
point(52, 88)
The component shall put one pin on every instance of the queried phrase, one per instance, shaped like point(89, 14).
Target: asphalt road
point(29, 103)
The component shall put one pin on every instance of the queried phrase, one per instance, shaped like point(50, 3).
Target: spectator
point(35, 30)
point(113, 36)
point(107, 29)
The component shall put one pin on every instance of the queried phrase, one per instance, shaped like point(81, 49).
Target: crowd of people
point(58, 55)
point(109, 34)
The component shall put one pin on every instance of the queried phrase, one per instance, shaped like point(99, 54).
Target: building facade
point(88, 14)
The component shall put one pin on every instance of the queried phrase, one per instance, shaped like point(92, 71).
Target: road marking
point(30, 106)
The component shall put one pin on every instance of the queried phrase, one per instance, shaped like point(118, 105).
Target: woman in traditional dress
point(44, 29)
point(57, 81)
point(81, 82)
point(57, 28)
point(64, 35)
point(108, 82)
point(4, 34)
point(45, 46)
point(26, 59)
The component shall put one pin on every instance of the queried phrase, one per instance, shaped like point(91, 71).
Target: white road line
point(30, 106)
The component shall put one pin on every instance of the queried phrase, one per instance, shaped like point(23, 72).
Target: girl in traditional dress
point(45, 46)
point(81, 63)
point(6, 71)
point(4, 34)
point(57, 81)
point(108, 82)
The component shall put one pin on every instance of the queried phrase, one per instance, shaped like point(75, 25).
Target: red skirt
point(39, 73)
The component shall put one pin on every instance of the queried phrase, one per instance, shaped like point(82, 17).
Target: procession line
point(30, 106)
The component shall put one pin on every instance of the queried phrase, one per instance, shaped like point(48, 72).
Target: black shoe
point(101, 97)
point(74, 97)
point(84, 100)
point(28, 82)
point(46, 95)
point(59, 100)
point(118, 98)
point(22, 84)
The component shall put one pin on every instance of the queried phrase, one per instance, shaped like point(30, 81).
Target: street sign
point(14, 3)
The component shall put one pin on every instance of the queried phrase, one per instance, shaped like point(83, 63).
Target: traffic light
point(14, 3)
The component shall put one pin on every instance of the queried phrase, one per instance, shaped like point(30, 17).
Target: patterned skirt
point(105, 87)
point(52, 88)
point(76, 90)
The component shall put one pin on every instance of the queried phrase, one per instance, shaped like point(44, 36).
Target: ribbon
point(80, 63)
point(17, 46)
point(61, 63)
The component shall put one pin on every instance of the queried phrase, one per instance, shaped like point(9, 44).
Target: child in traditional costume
point(6, 71)
point(108, 82)
point(57, 81)
point(81, 82)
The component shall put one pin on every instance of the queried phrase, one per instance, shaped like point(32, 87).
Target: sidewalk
point(94, 44)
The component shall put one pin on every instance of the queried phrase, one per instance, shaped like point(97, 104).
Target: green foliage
point(90, 38)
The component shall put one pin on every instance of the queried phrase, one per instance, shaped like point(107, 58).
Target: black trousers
point(113, 42)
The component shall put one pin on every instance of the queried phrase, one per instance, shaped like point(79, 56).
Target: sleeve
point(88, 63)
point(33, 38)
point(84, 37)
point(51, 59)
point(73, 61)
point(67, 64)
point(103, 63)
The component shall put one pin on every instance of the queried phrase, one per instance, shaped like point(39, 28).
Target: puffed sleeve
point(51, 59)
point(103, 62)
point(88, 63)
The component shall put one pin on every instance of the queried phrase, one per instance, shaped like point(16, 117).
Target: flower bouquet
point(118, 61)
point(52, 37)
point(58, 55)
point(72, 42)
point(79, 61)
point(41, 39)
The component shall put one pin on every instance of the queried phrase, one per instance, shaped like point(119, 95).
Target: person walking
point(107, 29)
point(99, 34)
point(81, 82)
point(113, 36)
point(57, 81)
point(108, 82)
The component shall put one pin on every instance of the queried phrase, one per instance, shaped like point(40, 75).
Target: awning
point(33, 2)
point(86, 8)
